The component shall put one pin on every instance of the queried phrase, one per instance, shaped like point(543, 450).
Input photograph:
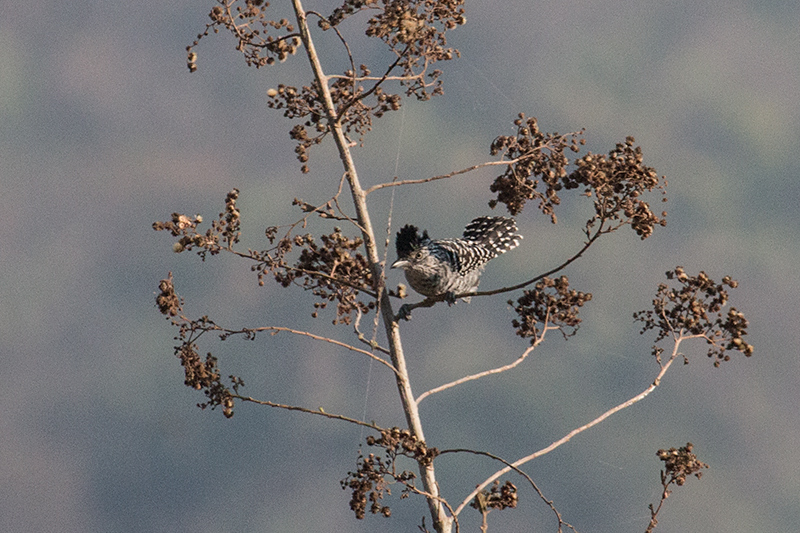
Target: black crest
point(408, 240)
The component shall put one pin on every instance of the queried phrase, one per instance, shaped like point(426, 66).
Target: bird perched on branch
point(449, 267)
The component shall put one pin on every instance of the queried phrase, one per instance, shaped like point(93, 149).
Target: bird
point(446, 268)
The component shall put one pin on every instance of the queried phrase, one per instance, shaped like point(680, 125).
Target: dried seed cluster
point(679, 464)
point(333, 269)
point(199, 374)
point(498, 497)
point(616, 182)
point(695, 308)
point(248, 23)
point(534, 156)
point(167, 301)
point(550, 303)
point(374, 476)
point(355, 109)
point(225, 230)
point(414, 31)
point(398, 441)
point(205, 376)
point(415, 39)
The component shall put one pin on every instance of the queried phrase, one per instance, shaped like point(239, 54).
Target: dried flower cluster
point(550, 303)
point(369, 485)
point(225, 230)
point(498, 497)
point(680, 463)
point(694, 308)
point(333, 270)
point(616, 182)
point(204, 375)
point(355, 108)
point(415, 31)
point(398, 441)
point(356, 105)
point(167, 301)
point(374, 475)
point(200, 374)
point(533, 156)
point(247, 21)
point(301, 103)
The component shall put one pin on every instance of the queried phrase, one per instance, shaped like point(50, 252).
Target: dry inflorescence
point(375, 474)
point(551, 303)
point(616, 182)
point(251, 27)
point(680, 463)
point(225, 230)
point(694, 308)
point(332, 268)
point(199, 374)
point(413, 30)
point(498, 497)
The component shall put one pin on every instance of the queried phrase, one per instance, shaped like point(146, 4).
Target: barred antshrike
point(451, 267)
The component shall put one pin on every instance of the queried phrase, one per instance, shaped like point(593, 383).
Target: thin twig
point(521, 473)
point(434, 178)
point(421, 492)
point(336, 201)
point(363, 338)
point(654, 511)
point(319, 411)
point(509, 162)
point(344, 43)
point(587, 244)
point(276, 329)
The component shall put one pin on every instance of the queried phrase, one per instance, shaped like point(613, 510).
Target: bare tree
point(348, 272)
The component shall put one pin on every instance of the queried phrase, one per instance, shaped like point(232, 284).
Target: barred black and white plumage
point(453, 266)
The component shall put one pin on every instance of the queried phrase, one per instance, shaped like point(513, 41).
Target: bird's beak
point(400, 263)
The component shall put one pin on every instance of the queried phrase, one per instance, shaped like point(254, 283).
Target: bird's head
point(411, 247)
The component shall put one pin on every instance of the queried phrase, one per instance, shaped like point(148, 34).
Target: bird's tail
point(498, 234)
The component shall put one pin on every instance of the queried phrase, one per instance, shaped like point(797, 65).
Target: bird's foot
point(404, 313)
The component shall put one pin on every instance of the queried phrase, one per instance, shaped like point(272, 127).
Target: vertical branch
point(441, 521)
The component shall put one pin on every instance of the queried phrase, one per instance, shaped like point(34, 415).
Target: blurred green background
point(103, 131)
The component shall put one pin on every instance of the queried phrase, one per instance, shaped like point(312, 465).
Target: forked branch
point(656, 382)
point(561, 522)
